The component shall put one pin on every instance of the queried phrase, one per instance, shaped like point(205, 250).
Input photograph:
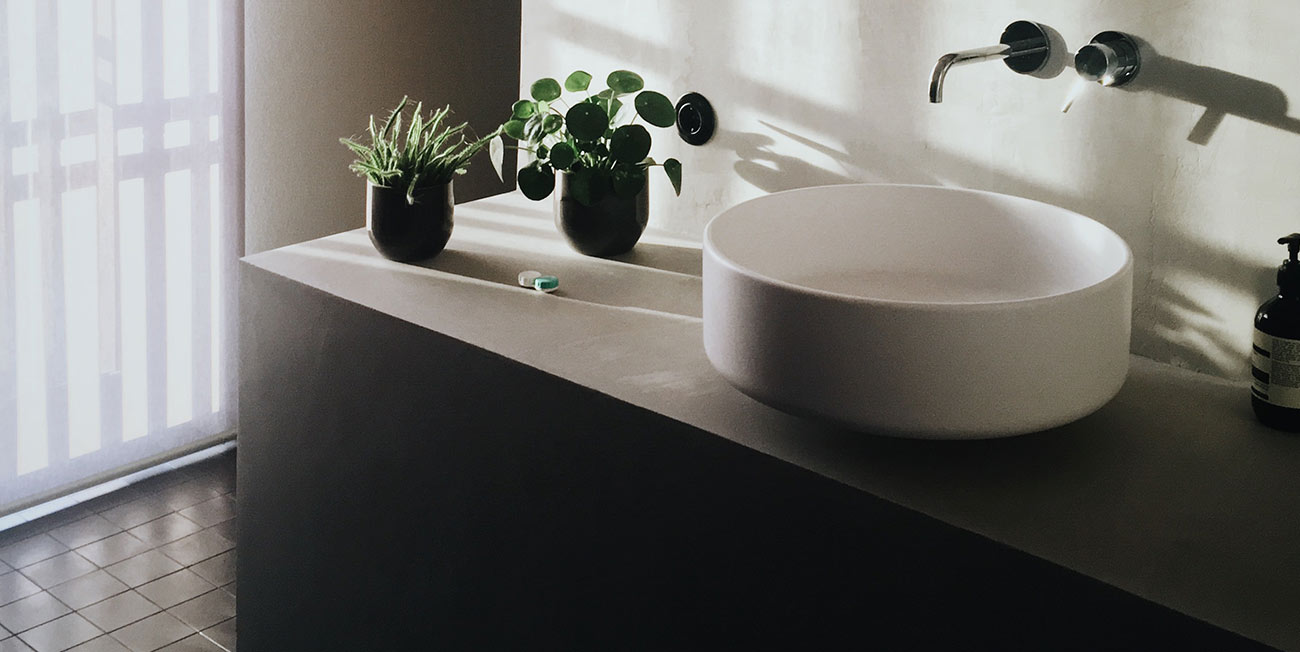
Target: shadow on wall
point(1222, 93)
point(1179, 316)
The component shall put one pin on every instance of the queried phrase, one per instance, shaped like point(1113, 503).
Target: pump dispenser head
point(1288, 275)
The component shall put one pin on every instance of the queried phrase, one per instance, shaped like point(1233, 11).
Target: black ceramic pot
point(609, 228)
point(409, 232)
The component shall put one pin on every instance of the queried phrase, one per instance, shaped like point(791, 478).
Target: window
point(119, 234)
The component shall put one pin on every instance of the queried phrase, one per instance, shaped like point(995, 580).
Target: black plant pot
point(409, 232)
point(609, 228)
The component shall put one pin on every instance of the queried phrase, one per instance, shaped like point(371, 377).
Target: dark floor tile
point(219, 570)
point(171, 590)
point(228, 530)
point(88, 589)
point(107, 552)
point(112, 499)
point(32, 550)
point(165, 530)
point(187, 494)
point(87, 530)
point(20, 616)
point(160, 482)
point(61, 634)
point(119, 611)
point(223, 634)
point(143, 568)
point(58, 569)
point(104, 643)
point(45, 523)
point(139, 511)
point(14, 644)
point(211, 512)
point(152, 633)
point(194, 643)
point(206, 610)
point(221, 465)
point(15, 586)
point(197, 547)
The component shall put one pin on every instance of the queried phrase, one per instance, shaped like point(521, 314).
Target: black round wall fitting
point(695, 119)
point(1029, 44)
point(1111, 58)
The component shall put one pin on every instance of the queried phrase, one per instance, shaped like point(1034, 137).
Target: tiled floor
point(149, 567)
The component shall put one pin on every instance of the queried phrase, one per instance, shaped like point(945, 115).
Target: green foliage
point(426, 154)
point(592, 140)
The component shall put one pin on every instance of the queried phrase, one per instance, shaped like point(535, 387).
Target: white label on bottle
point(1275, 367)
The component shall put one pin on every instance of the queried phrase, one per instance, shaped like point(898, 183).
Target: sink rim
point(711, 249)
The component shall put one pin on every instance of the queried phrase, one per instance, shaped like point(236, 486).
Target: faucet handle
point(1029, 46)
point(1111, 59)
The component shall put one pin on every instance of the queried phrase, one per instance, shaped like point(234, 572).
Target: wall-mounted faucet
point(1024, 46)
point(1111, 59)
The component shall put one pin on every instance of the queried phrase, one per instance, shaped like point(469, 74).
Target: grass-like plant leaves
point(426, 154)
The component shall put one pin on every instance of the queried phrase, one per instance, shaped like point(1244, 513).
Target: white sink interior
point(918, 311)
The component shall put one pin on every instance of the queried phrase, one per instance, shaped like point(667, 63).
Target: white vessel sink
point(918, 311)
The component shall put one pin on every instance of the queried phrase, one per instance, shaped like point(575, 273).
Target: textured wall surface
point(316, 70)
point(1194, 163)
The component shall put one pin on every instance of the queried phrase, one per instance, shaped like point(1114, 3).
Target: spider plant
point(426, 154)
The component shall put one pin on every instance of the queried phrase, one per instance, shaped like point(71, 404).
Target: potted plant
point(408, 173)
point(600, 154)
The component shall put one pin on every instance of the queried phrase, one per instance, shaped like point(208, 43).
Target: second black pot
point(609, 228)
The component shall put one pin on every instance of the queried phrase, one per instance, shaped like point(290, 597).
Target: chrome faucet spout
point(1000, 51)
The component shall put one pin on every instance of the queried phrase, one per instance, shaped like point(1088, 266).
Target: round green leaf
point(563, 155)
point(535, 182)
point(552, 123)
point(625, 81)
point(586, 121)
point(522, 109)
point(588, 186)
point(614, 107)
point(629, 144)
point(655, 108)
point(545, 89)
point(577, 81)
point(514, 129)
point(627, 183)
point(673, 168)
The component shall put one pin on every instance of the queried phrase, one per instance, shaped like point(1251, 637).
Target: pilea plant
point(594, 140)
point(426, 154)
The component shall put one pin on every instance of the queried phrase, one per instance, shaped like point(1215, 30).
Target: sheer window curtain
point(121, 223)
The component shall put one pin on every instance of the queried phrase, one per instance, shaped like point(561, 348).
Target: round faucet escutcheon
point(1111, 59)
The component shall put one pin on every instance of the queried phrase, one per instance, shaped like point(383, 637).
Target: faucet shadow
point(1222, 93)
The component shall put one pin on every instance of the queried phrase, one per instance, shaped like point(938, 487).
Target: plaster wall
point(315, 71)
point(1194, 163)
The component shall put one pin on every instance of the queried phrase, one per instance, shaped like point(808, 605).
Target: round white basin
point(918, 311)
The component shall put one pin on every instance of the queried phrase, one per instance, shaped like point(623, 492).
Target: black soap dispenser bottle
point(1275, 357)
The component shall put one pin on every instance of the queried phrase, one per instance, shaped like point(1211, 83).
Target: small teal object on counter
point(546, 283)
point(1275, 354)
point(539, 281)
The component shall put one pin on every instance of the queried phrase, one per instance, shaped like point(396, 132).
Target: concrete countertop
point(1171, 491)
